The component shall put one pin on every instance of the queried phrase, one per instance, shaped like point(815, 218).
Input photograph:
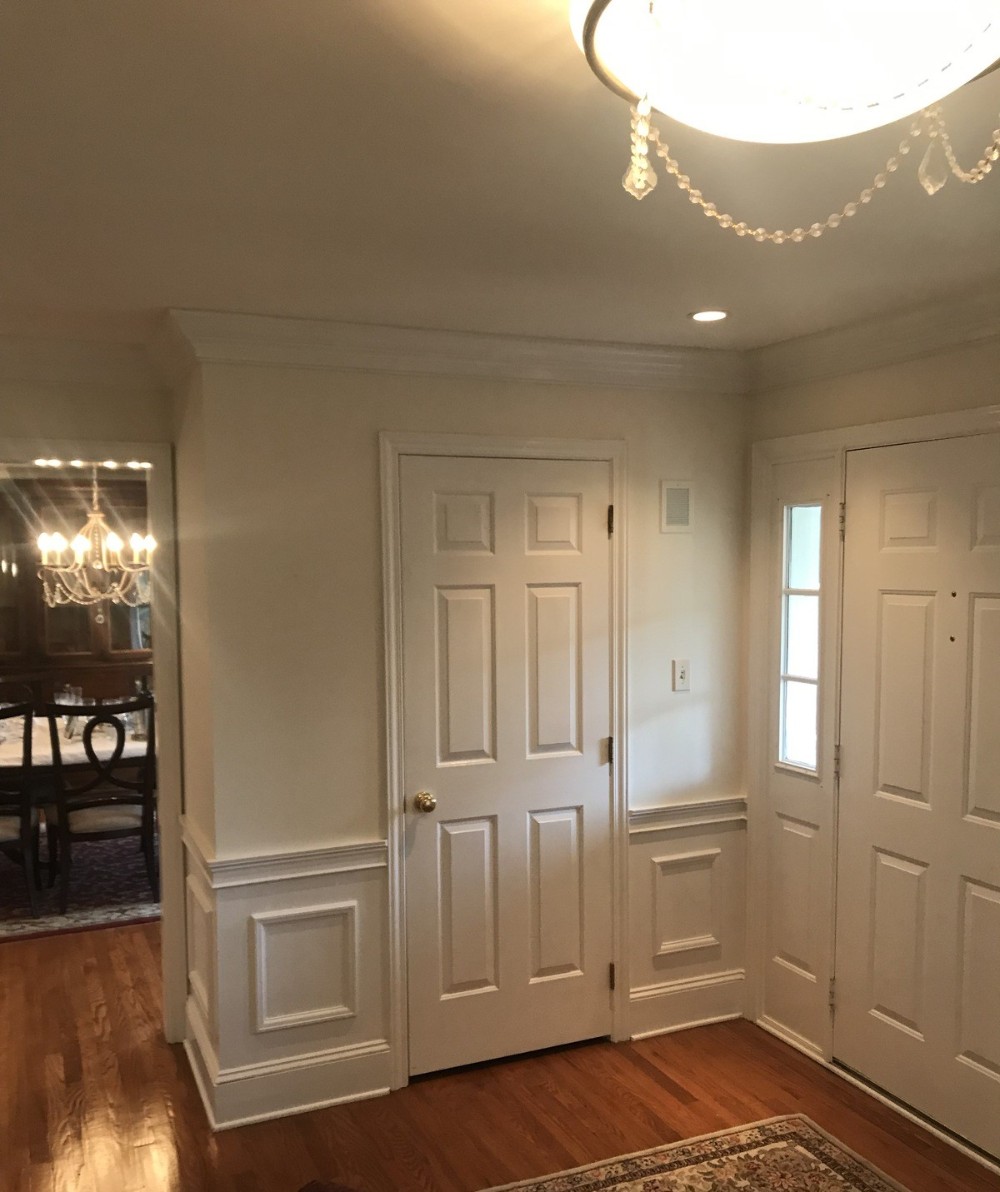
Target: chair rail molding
point(688, 814)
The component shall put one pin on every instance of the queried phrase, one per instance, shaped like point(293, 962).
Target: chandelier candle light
point(781, 72)
point(101, 568)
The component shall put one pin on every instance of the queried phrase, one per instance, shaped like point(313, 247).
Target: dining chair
point(108, 795)
point(18, 815)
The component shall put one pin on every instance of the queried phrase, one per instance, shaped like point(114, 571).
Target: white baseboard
point(693, 1001)
point(815, 1053)
point(257, 1092)
point(792, 1038)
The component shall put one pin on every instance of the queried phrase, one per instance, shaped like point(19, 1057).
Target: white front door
point(506, 582)
point(918, 884)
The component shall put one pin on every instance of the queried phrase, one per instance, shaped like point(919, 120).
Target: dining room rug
point(783, 1154)
point(108, 887)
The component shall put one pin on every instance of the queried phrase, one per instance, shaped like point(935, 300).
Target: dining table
point(71, 748)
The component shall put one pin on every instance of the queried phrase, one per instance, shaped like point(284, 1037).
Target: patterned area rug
point(108, 886)
point(787, 1154)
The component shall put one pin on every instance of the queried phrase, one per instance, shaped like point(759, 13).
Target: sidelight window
point(800, 630)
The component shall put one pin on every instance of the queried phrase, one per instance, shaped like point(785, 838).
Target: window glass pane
point(803, 546)
point(802, 636)
point(799, 724)
point(67, 629)
point(129, 627)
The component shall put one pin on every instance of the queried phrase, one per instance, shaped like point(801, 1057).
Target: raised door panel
point(466, 675)
point(467, 908)
point(555, 670)
point(904, 688)
point(557, 886)
point(983, 793)
point(979, 1015)
point(898, 927)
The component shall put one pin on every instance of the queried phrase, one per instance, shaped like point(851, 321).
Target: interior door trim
point(392, 446)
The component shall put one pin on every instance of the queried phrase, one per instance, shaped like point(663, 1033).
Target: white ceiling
point(438, 163)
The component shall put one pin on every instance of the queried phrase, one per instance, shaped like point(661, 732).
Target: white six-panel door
point(918, 889)
point(506, 569)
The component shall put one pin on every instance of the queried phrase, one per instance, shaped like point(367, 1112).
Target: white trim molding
point(968, 317)
point(230, 872)
point(693, 814)
point(393, 446)
point(265, 924)
point(186, 337)
point(287, 969)
point(691, 1001)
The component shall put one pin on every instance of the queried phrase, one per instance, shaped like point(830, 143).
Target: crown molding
point(187, 337)
point(878, 342)
point(77, 364)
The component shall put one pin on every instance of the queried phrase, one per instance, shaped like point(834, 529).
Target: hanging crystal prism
point(933, 170)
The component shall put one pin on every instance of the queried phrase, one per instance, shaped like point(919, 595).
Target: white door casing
point(918, 921)
point(507, 708)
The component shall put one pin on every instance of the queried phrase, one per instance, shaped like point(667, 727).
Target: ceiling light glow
point(709, 316)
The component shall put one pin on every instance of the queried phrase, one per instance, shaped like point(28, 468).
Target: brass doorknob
point(424, 801)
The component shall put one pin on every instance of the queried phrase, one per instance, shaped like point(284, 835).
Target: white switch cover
point(681, 674)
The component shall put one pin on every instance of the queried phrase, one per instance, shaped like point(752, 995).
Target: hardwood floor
point(93, 1100)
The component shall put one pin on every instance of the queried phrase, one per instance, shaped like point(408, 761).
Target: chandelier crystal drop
point(781, 72)
point(95, 566)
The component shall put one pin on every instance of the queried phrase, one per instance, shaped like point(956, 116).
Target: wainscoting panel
point(288, 999)
point(687, 898)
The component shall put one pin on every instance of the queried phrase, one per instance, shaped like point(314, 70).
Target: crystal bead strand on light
point(641, 172)
point(933, 175)
point(640, 177)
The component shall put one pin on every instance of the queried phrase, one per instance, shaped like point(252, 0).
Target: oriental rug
point(786, 1154)
point(108, 887)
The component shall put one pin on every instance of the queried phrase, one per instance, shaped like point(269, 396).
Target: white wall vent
point(675, 507)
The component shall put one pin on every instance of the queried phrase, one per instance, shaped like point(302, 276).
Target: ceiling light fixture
point(709, 316)
point(99, 569)
point(781, 72)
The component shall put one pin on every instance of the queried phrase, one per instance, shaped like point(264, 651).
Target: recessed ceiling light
point(708, 316)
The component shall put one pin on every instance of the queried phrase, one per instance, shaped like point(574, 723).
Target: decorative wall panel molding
point(684, 911)
point(290, 994)
point(687, 894)
point(201, 947)
point(288, 963)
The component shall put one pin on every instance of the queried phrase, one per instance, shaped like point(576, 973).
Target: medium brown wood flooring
point(93, 1100)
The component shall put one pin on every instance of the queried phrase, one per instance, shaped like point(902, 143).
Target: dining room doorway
point(88, 621)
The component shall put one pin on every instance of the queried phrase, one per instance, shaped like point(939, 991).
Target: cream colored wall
point(960, 379)
point(292, 598)
point(29, 410)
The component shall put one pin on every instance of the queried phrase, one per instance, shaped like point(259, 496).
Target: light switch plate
point(681, 674)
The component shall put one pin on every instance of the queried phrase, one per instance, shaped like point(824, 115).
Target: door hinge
point(611, 520)
point(833, 994)
point(611, 751)
point(843, 519)
point(836, 762)
point(611, 975)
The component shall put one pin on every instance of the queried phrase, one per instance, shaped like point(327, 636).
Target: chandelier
point(94, 567)
point(784, 72)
